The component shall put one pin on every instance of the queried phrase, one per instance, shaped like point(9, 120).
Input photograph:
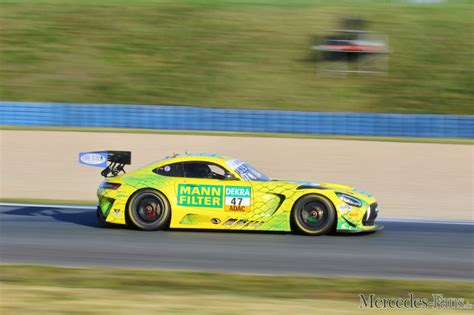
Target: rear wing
point(113, 162)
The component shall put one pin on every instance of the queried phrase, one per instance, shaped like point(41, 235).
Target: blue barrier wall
point(243, 120)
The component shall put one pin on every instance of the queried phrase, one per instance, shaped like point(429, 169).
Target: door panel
point(211, 203)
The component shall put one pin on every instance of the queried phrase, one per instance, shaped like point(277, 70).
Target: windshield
point(246, 171)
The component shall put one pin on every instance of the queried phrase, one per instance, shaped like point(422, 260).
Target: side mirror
point(229, 176)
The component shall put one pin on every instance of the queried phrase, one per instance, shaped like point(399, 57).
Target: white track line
point(410, 220)
point(42, 205)
point(382, 219)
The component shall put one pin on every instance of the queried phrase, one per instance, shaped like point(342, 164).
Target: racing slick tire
point(314, 215)
point(149, 210)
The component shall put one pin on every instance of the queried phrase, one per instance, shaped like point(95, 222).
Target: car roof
point(211, 157)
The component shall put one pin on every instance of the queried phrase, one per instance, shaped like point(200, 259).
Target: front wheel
point(314, 215)
point(149, 210)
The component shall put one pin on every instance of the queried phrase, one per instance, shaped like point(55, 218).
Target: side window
point(203, 170)
point(217, 170)
point(172, 170)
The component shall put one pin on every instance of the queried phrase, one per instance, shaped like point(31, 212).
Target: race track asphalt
point(70, 237)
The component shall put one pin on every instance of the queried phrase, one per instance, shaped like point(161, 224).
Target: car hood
point(330, 186)
point(316, 185)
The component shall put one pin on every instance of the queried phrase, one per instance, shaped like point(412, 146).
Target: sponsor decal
point(116, 212)
point(93, 159)
point(215, 221)
point(241, 169)
point(234, 164)
point(208, 196)
point(345, 208)
point(230, 221)
point(237, 198)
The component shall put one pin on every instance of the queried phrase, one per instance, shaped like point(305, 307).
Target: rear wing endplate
point(113, 162)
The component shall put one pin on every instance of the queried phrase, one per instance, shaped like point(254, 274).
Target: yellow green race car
point(211, 191)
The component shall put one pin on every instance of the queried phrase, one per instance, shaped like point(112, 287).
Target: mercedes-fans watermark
point(412, 302)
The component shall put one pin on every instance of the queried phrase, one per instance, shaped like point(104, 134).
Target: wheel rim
point(149, 208)
point(313, 215)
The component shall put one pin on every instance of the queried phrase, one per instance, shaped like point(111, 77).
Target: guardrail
point(237, 120)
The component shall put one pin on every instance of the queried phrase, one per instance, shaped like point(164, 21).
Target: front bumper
point(358, 221)
point(370, 215)
point(368, 229)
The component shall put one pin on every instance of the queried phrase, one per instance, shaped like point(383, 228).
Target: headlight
point(352, 201)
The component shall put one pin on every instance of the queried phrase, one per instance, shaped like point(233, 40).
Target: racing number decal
point(235, 202)
point(237, 198)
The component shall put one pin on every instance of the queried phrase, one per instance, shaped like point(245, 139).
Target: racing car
point(212, 191)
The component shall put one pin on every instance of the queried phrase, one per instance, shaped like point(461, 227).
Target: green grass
point(243, 134)
point(249, 54)
point(42, 289)
point(284, 287)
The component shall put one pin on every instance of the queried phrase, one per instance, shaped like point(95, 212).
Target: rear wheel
point(149, 210)
point(314, 215)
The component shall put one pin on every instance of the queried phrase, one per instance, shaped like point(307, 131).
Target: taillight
point(108, 185)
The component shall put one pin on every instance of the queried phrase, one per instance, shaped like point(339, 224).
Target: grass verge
point(247, 54)
point(44, 290)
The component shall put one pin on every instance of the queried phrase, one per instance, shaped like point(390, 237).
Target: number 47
point(236, 201)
